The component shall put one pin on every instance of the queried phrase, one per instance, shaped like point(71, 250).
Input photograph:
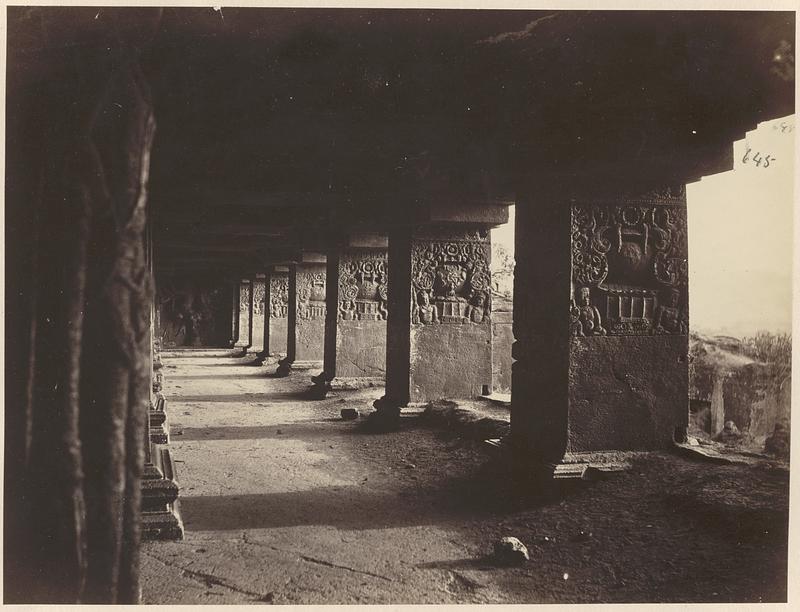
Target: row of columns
point(600, 322)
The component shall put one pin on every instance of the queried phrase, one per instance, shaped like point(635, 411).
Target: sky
point(740, 237)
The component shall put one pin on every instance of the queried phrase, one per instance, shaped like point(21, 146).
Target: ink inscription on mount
point(363, 286)
point(629, 268)
point(451, 280)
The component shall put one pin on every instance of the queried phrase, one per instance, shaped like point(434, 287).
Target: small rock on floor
point(510, 551)
point(349, 414)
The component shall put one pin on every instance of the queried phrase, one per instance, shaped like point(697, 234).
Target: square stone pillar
point(601, 327)
point(244, 310)
point(306, 320)
point(355, 332)
point(251, 294)
point(278, 310)
point(439, 335)
point(258, 312)
point(236, 289)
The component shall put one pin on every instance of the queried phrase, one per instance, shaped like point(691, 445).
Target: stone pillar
point(278, 310)
point(355, 345)
point(257, 334)
point(236, 289)
point(717, 402)
point(601, 327)
point(439, 336)
point(322, 381)
point(263, 306)
point(310, 315)
point(244, 308)
point(251, 295)
point(285, 364)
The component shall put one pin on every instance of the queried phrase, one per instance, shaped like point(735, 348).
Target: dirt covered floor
point(286, 503)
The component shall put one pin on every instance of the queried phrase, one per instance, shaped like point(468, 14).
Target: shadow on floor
point(353, 507)
point(240, 398)
point(305, 430)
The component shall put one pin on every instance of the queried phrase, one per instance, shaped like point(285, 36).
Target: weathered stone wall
point(193, 312)
point(361, 322)
point(451, 330)
point(279, 299)
point(624, 392)
point(502, 340)
point(310, 329)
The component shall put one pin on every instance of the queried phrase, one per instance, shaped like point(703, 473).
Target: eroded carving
point(279, 296)
point(629, 263)
point(244, 297)
point(451, 280)
point(258, 298)
point(310, 295)
point(363, 287)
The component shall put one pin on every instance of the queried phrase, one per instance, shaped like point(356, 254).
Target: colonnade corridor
point(285, 502)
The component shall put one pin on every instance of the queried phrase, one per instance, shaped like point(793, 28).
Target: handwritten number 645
point(757, 158)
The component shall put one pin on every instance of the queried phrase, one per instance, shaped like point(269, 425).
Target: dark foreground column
point(439, 342)
point(601, 328)
point(78, 337)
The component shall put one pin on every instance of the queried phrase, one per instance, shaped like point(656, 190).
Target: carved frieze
point(244, 297)
point(258, 298)
point(310, 295)
point(363, 286)
point(629, 267)
point(279, 296)
point(451, 279)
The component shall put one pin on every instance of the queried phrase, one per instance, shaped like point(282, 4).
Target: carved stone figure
point(587, 317)
point(426, 312)
point(669, 318)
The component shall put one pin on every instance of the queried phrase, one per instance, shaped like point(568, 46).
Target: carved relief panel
point(363, 283)
point(629, 267)
point(244, 297)
point(310, 295)
point(451, 279)
point(279, 296)
point(258, 298)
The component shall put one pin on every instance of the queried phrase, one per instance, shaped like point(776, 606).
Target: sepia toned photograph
point(400, 306)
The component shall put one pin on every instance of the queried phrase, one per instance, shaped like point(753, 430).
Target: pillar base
point(161, 518)
point(321, 387)
point(260, 359)
point(386, 416)
point(284, 367)
point(159, 427)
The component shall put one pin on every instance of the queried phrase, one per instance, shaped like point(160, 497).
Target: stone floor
point(284, 502)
